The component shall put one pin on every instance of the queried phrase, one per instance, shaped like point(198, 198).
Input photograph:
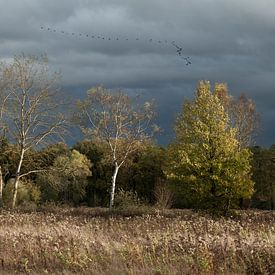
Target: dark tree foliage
point(140, 174)
point(145, 170)
point(97, 190)
point(263, 170)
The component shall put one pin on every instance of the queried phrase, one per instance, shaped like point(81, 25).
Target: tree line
point(210, 164)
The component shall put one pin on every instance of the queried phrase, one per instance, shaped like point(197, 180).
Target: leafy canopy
point(205, 155)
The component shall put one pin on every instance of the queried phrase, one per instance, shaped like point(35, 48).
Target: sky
point(229, 41)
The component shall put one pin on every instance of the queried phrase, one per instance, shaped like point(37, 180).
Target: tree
point(263, 167)
point(205, 155)
point(28, 193)
point(146, 171)
point(120, 121)
point(3, 100)
point(67, 179)
point(32, 115)
point(3, 145)
point(45, 158)
point(243, 115)
point(98, 183)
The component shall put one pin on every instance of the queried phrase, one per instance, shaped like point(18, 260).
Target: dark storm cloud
point(230, 41)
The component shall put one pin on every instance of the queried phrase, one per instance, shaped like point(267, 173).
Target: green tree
point(99, 182)
point(3, 166)
point(28, 193)
point(9, 157)
point(45, 158)
point(205, 156)
point(67, 178)
point(263, 169)
point(144, 171)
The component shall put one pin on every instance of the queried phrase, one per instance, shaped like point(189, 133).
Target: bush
point(163, 194)
point(66, 180)
point(125, 200)
point(28, 193)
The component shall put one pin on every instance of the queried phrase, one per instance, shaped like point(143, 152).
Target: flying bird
point(187, 59)
point(179, 49)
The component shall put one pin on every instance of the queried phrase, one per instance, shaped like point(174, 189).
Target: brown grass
point(93, 241)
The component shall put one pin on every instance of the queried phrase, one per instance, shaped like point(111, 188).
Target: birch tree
point(31, 116)
point(122, 122)
point(243, 115)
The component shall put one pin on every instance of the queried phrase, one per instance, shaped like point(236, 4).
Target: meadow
point(95, 241)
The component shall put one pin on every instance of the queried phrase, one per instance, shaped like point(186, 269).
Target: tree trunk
point(1, 188)
point(17, 177)
point(113, 186)
point(241, 203)
point(227, 207)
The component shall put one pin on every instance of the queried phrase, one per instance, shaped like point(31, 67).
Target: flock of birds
point(179, 49)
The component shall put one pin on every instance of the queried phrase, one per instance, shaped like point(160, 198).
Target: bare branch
point(120, 121)
point(33, 172)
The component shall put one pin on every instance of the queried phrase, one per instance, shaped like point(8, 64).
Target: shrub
point(28, 193)
point(126, 200)
point(163, 194)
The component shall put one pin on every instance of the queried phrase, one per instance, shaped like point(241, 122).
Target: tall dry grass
point(93, 241)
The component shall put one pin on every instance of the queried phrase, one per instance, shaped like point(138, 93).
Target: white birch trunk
point(113, 186)
point(17, 178)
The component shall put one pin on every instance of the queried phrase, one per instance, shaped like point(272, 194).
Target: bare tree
point(122, 122)
point(163, 194)
point(31, 116)
point(242, 113)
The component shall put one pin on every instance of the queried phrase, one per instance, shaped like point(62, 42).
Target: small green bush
point(125, 200)
point(28, 193)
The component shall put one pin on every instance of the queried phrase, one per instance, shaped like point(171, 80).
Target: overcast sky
point(230, 41)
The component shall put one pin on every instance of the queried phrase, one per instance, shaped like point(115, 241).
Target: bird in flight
point(179, 49)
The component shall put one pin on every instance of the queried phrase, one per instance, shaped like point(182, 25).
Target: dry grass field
point(93, 241)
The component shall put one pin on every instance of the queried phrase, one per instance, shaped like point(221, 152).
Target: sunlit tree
point(31, 114)
point(120, 121)
point(206, 156)
point(66, 179)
